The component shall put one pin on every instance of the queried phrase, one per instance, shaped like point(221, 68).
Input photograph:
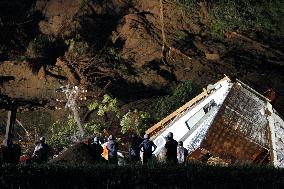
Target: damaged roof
point(230, 121)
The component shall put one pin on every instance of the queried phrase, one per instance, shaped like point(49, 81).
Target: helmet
point(42, 139)
point(133, 136)
point(146, 136)
point(111, 137)
point(180, 143)
point(170, 135)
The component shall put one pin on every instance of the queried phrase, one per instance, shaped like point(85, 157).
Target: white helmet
point(42, 139)
point(146, 136)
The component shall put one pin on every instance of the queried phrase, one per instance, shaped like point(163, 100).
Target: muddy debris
point(78, 153)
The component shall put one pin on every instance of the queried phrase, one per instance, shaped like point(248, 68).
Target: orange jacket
point(105, 151)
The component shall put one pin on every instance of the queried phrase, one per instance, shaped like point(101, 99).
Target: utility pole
point(10, 127)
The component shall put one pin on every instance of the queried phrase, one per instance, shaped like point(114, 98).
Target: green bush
point(166, 105)
point(108, 104)
point(113, 54)
point(135, 120)
point(64, 133)
point(77, 47)
point(138, 176)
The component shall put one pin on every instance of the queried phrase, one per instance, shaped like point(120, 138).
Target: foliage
point(84, 3)
point(243, 15)
point(77, 47)
point(166, 105)
point(63, 134)
point(113, 54)
point(140, 176)
point(40, 46)
point(136, 120)
point(108, 104)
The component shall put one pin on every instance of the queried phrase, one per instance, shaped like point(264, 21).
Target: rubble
point(78, 153)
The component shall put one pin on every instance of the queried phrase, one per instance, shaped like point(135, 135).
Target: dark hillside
point(45, 44)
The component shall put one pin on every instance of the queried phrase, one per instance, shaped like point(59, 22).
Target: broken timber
point(160, 126)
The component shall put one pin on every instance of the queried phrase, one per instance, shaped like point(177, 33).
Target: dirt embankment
point(133, 29)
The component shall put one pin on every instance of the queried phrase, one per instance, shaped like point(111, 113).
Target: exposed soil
point(134, 29)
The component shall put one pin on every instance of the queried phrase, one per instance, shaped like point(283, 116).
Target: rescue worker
point(105, 151)
point(112, 147)
point(134, 150)
point(182, 152)
point(96, 149)
point(41, 152)
point(147, 148)
point(171, 146)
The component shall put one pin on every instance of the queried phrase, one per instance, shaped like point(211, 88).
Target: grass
point(244, 15)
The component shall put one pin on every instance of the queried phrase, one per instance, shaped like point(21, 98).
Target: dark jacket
point(96, 150)
point(134, 150)
point(146, 148)
point(171, 146)
point(41, 152)
point(112, 148)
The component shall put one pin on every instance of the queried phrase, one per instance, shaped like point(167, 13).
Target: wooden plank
point(177, 112)
point(271, 136)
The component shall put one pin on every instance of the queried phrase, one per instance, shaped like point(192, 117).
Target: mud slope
point(138, 68)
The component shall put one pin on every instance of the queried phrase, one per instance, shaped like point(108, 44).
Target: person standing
point(171, 146)
point(182, 152)
point(105, 151)
point(41, 152)
point(96, 149)
point(112, 147)
point(162, 155)
point(134, 150)
point(147, 148)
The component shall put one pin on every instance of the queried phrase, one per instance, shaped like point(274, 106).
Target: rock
point(213, 56)
point(60, 17)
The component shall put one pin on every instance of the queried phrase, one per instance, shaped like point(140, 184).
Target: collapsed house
point(227, 123)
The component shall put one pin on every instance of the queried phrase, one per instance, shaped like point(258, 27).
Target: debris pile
point(78, 153)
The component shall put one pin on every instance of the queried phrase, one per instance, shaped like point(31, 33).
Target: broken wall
point(239, 131)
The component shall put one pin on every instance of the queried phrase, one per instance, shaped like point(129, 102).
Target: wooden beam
point(164, 122)
point(177, 112)
point(271, 135)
